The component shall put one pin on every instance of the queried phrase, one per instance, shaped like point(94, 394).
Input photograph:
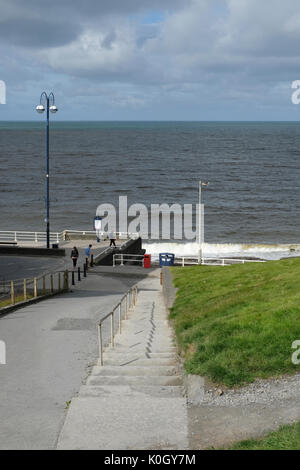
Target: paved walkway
point(50, 349)
point(136, 400)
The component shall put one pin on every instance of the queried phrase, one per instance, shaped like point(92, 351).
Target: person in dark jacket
point(74, 256)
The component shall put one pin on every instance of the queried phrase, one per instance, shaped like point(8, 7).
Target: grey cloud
point(36, 23)
point(37, 33)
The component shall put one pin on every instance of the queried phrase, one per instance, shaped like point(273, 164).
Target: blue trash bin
point(166, 259)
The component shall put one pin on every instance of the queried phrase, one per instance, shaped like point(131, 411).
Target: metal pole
point(47, 177)
point(120, 320)
point(112, 329)
point(100, 344)
point(25, 290)
point(12, 292)
point(35, 288)
point(200, 223)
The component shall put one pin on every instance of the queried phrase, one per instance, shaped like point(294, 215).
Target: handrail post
point(12, 292)
point(122, 260)
point(120, 319)
point(100, 344)
point(35, 288)
point(25, 290)
point(51, 283)
point(44, 285)
point(126, 309)
point(112, 329)
point(59, 283)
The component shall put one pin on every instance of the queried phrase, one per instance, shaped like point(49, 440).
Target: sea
point(252, 204)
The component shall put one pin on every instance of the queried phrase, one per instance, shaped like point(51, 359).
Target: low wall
point(133, 247)
point(29, 251)
point(169, 291)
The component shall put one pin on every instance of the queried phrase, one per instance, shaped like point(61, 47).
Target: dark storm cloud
point(36, 23)
point(37, 33)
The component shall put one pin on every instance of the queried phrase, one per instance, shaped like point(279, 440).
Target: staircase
point(136, 399)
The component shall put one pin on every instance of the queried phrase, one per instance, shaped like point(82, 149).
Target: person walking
point(112, 238)
point(87, 255)
point(74, 256)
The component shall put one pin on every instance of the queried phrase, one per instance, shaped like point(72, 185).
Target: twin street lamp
point(47, 103)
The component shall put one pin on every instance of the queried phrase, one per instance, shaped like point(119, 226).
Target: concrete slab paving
point(124, 405)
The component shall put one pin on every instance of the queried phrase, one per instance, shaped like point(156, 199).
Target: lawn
point(287, 438)
point(237, 323)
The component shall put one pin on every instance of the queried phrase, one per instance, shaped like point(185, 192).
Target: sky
point(183, 60)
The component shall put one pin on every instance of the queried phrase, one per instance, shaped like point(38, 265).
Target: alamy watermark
point(2, 92)
point(296, 355)
point(157, 222)
point(2, 353)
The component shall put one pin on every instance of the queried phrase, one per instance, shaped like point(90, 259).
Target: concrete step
point(133, 380)
point(133, 370)
point(131, 390)
point(140, 362)
point(111, 354)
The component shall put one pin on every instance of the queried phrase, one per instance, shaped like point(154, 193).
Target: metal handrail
point(36, 236)
point(21, 285)
point(192, 260)
point(126, 257)
point(130, 301)
point(15, 235)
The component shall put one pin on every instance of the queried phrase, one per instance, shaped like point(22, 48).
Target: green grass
point(287, 438)
point(238, 323)
point(19, 298)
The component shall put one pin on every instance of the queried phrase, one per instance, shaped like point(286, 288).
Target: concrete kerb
point(193, 384)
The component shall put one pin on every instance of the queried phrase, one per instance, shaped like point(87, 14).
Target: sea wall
point(133, 247)
point(30, 251)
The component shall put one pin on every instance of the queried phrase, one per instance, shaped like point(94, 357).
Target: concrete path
point(19, 267)
point(136, 400)
point(50, 348)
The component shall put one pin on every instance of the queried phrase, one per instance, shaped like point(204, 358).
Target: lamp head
point(53, 109)
point(40, 108)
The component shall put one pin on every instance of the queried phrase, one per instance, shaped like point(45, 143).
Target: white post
point(200, 223)
point(122, 263)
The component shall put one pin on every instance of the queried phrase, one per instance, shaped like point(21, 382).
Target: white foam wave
point(224, 250)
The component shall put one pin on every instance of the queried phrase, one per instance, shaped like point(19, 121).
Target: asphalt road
point(49, 347)
point(21, 267)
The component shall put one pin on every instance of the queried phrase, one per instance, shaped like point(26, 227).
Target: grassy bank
point(287, 438)
point(18, 298)
point(238, 323)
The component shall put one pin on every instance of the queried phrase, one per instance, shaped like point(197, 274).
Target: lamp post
point(47, 102)
point(201, 185)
